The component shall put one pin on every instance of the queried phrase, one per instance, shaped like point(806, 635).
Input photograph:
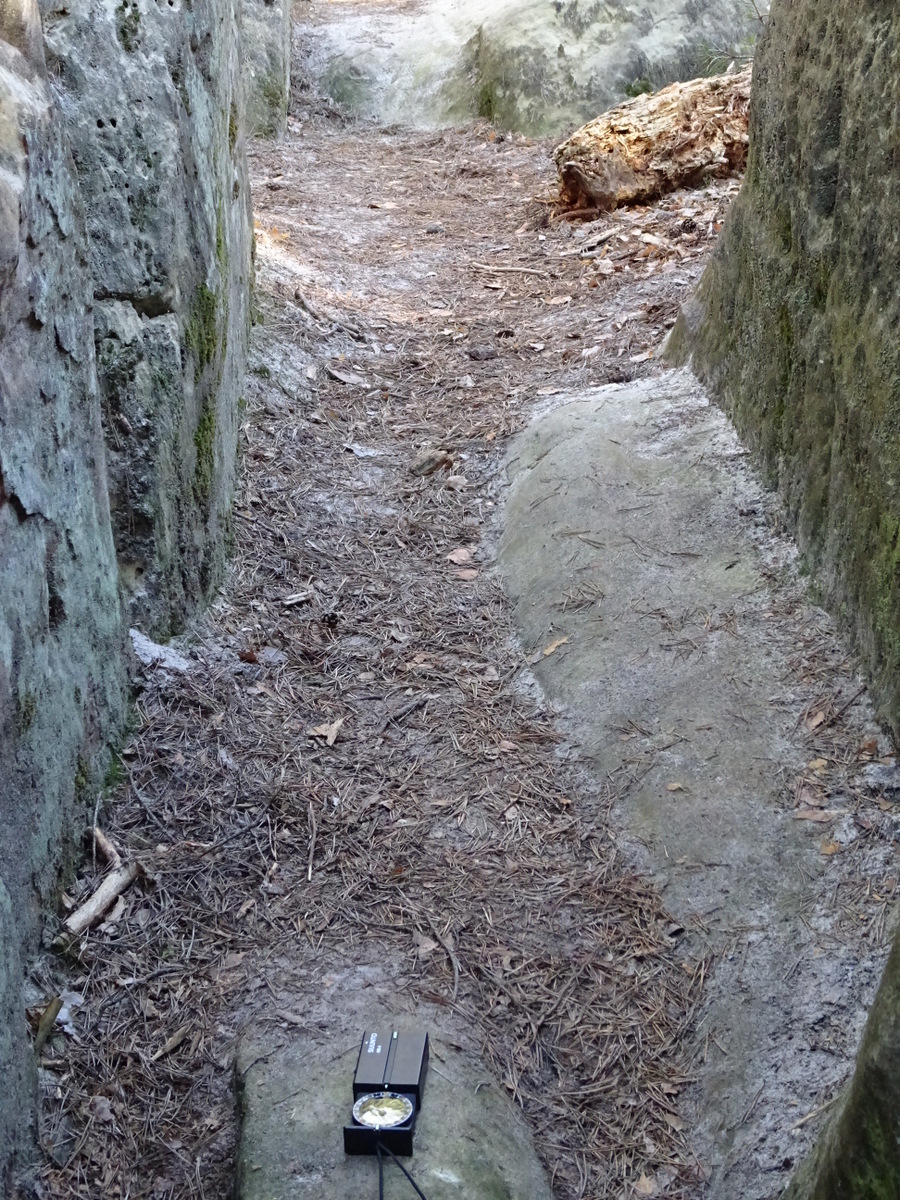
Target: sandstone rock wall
point(545, 65)
point(151, 95)
point(266, 28)
point(538, 66)
point(795, 322)
point(125, 275)
point(62, 671)
point(794, 327)
point(858, 1154)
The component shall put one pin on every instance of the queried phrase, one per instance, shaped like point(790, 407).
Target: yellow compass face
point(382, 1110)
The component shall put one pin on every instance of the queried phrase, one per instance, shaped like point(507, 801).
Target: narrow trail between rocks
point(356, 795)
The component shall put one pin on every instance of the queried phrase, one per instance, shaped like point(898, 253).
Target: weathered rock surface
point(795, 327)
point(539, 66)
point(794, 323)
point(635, 555)
point(471, 1142)
point(266, 55)
point(61, 642)
point(640, 150)
point(124, 309)
point(857, 1157)
point(152, 101)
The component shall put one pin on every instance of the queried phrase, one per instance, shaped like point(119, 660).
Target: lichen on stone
point(128, 24)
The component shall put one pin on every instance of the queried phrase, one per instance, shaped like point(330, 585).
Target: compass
point(382, 1110)
point(387, 1091)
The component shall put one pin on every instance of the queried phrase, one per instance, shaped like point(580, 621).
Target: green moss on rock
point(202, 333)
point(128, 25)
point(205, 445)
point(232, 126)
point(27, 710)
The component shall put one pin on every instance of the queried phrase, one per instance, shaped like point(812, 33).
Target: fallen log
point(678, 137)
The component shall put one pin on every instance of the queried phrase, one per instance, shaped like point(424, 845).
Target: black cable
point(378, 1149)
point(380, 1171)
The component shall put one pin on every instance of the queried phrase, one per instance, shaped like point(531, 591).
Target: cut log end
point(680, 137)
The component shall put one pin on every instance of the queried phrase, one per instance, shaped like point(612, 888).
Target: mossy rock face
point(266, 68)
point(62, 656)
point(794, 323)
point(858, 1155)
point(153, 107)
point(794, 328)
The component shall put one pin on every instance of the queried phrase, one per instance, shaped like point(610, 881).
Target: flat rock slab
point(639, 560)
point(471, 1141)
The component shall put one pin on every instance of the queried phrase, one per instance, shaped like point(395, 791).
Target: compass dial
point(382, 1110)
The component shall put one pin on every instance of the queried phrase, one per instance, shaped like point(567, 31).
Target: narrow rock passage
point(357, 798)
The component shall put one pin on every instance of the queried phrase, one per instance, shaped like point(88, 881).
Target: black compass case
point(389, 1061)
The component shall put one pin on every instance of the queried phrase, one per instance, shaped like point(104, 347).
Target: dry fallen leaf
point(818, 765)
point(102, 1109)
point(467, 574)
point(809, 797)
point(504, 745)
point(348, 377)
point(674, 1122)
point(645, 1186)
point(460, 556)
point(172, 1044)
point(823, 815)
point(114, 915)
point(830, 847)
point(428, 462)
point(675, 787)
point(328, 732)
point(293, 1018)
point(424, 945)
point(554, 646)
point(815, 720)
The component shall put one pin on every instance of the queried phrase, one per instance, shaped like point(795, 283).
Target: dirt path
point(356, 793)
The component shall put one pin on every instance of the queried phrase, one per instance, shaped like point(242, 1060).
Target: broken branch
point(113, 885)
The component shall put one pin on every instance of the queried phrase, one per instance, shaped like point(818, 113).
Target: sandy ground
point(357, 794)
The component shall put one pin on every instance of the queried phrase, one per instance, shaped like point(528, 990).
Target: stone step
point(471, 1141)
